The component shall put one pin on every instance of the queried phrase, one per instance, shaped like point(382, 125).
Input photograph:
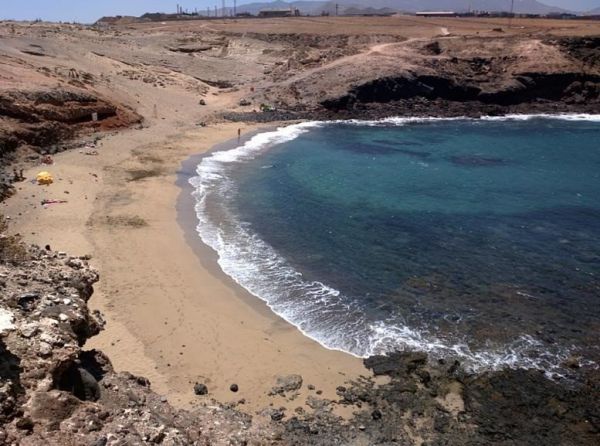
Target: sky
point(87, 11)
point(573, 5)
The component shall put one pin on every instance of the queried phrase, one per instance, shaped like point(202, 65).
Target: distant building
point(279, 12)
point(561, 15)
point(436, 14)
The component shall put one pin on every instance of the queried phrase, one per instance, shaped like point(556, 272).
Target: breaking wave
point(319, 311)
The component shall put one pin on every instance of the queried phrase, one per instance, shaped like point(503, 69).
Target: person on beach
point(239, 134)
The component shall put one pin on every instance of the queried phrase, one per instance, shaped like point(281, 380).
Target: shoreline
point(496, 356)
point(138, 354)
point(134, 344)
point(188, 221)
point(212, 330)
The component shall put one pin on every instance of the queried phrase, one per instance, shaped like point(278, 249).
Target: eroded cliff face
point(41, 120)
point(454, 76)
point(42, 117)
point(570, 89)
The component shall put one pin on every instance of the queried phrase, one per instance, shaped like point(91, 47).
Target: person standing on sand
point(239, 134)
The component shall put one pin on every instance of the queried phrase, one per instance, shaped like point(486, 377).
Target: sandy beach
point(171, 314)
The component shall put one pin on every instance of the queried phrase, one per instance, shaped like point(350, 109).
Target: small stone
point(6, 320)
point(376, 414)
point(100, 442)
point(362, 427)
point(310, 387)
point(234, 388)
point(200, 389)
point(63, 317)
point(75, 263)
point(28, 330)
point(45, 349)
point(277, 415)
point(572, 362)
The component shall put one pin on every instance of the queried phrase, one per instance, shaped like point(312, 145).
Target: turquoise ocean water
point(477, 239)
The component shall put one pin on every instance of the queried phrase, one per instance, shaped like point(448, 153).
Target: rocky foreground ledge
point(54, 392)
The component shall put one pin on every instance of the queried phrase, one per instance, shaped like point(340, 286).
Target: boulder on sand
point(200, 389)
point(287, 383)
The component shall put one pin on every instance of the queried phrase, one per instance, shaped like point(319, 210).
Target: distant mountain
point(316, 7)
point(520, 6)
point(593, 11)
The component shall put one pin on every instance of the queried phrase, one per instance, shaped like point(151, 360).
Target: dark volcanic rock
point(528, 89)
point(200, 389)
point(287, 383)
point(396, 363)
point(524, 406)
point(513, 407)
point(277, 415)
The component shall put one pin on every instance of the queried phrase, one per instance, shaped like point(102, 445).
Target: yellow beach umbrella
point(44, 178)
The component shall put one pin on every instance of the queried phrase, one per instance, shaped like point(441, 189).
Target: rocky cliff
point(54, 392)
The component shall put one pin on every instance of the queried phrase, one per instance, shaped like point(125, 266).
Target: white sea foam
point(317, 310)
point(403, 120)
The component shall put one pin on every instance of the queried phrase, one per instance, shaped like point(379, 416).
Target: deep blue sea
point(477, 239)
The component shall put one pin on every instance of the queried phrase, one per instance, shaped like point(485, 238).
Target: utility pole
point(512, 9)
point(234, 8)
point(223, 8)
point(337, 9)
point(216, 12)
point(208, 11)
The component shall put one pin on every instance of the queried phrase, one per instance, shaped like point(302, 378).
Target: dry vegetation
point(123, 221)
